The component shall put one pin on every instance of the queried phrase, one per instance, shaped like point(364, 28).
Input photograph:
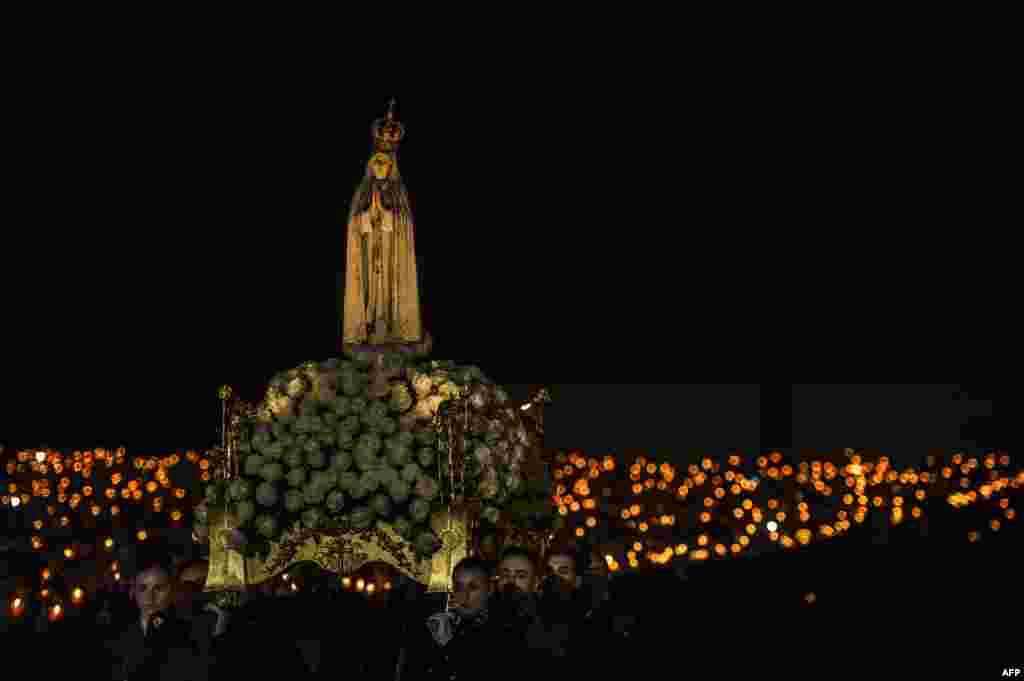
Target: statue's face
point(380, 166)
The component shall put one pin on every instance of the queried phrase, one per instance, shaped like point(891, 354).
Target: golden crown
point(388, 132)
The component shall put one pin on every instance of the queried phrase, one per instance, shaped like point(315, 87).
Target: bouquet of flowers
point(353, 444)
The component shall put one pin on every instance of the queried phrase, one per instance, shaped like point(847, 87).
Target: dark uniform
point(494, 646)
point(264, 635)
point(166, 651)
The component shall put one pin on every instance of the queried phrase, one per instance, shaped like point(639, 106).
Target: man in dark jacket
point(263, 635)
point(196, 606)
point(159, 643)
point(469, 640)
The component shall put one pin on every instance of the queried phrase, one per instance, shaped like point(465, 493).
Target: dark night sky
point(164, 239)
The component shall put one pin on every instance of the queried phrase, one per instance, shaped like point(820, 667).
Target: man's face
point(517, 571)
point(563, 567)
point(153, 592)
point(471, 589)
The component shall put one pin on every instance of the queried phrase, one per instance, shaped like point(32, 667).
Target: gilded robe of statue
point(381, 291)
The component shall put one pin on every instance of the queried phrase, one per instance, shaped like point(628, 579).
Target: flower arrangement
point(500, 457)
point(354, 443)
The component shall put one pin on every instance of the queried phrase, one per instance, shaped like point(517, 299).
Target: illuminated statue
point(382, 304)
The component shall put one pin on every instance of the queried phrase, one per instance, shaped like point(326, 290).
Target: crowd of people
point(517, 612)
point(511, 614)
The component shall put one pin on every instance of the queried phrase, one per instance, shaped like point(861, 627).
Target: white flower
point(484, 456)
point(296, 386)
point(488, 489)
point(477, 400)
point(422, 384)
point(489, 485)
point(448, 390)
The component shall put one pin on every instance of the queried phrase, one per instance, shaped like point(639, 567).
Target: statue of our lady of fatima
point(382, 305)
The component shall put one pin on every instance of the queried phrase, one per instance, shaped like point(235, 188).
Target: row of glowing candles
point(55, 608)
point(574, 474)
point(43, 462)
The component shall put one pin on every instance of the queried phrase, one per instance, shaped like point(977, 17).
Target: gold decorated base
point(338, 552)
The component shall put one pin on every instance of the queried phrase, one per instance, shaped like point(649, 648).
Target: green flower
point(350, 383)
point(341, 406)
point(296, 477)
point(360, 490)
point(381, 505)
point(387, 475)
point(370, 441)
point(316, 459)
point(362, 518)
point(403, 526)
point(317, 478)
point(293, 501)
point(336, 501)
point(366, 460)
point(343, 439)
point(427, 543)
point(266, 525)
point(313, 518)
point(272, 472)
point(401, 399)
point(349, 424)
point(266, 494)
point(358, 405)
point(387, 426)
point(398, 454)
point(419, 510)
point(425, 437)
point(313, 495)
point(411, 472)
point(246, 511)
point(427, 456)
point(341, 461)
point(295, 458)
point(399, 491)
point(253, 464)
point(348, 481)
point(240, 489)
point(330, 478)
point(371, 479)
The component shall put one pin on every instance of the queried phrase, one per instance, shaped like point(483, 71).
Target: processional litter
point(390, 455)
